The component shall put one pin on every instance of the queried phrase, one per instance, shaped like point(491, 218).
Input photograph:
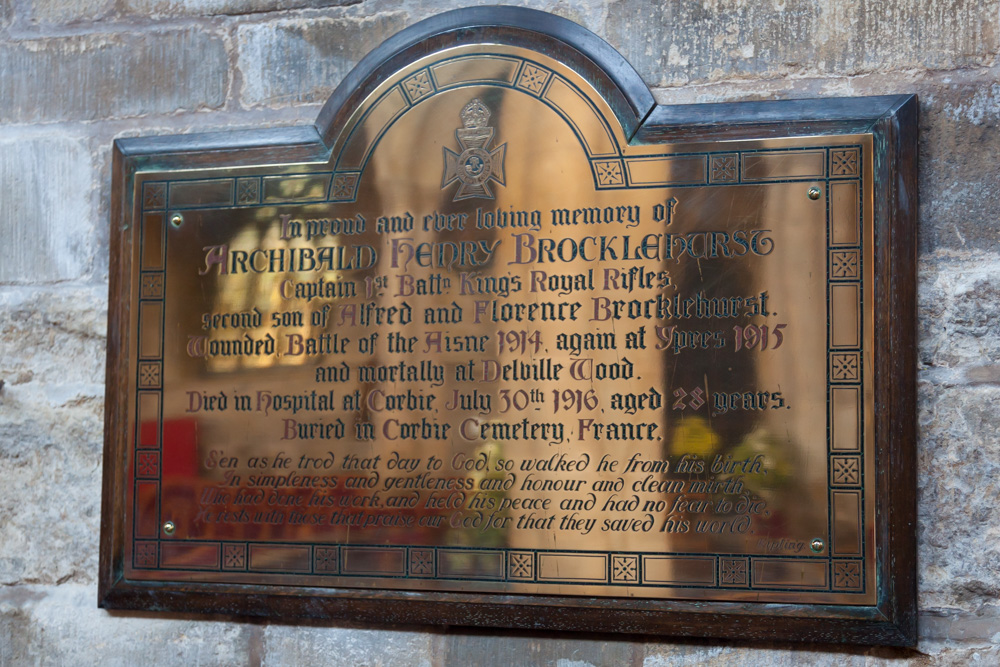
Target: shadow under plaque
point(502, 342)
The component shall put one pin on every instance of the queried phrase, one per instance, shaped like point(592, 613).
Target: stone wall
point(76, 74)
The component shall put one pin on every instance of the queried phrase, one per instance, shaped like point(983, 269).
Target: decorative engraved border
point(848, 576)
point(422, 562)
point(845, 470)
point(520, 565)
point(154, 196)
point(611, 168)
point(511, 566)
point(725, 168)
point(533, 78)
point(234, 557)
point(419, 85)
point(845, 265)
point(625, 569)
point(845, 161)
point(148, 437)
point(248, 191)
point(845, 370)
point(734, 572)
point(326, 559)
point(608, 173)
point(146, 554)
point(845, 268)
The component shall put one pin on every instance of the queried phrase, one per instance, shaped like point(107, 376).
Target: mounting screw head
point(177, 219)
point(817, 545)
point(169, 528)
point(814, 193)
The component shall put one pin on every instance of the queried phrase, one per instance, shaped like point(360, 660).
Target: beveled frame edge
point(892, 121)
point(896, 202)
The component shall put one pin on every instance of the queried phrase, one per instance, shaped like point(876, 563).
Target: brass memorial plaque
point(491, 339)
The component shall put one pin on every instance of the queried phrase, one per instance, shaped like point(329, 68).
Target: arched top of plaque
point(487, 58)
point(562, 64)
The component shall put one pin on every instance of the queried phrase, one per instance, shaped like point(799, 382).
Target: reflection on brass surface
point(490, 346)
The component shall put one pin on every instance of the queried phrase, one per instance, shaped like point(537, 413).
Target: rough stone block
point(785, 655)
point(588, 13)
point(52, 496)
point(51, 426)
point(53, 337)
point(61, 625)
point(667, 655)
point(498, 647)
point(45, 229)
point(221, 7)
point(959, 314)
point(294, 61)
point(116, 75)
point(692, 41)
point(67, 11)
point(959, 482)
point(959, 197)
point(285, 645)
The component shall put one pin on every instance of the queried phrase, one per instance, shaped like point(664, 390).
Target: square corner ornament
point(500, 341)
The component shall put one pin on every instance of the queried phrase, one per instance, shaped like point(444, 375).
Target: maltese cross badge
point(476, 165)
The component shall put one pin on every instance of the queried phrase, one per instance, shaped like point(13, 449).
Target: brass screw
point(177, 220)
point(817, 545)
point(169, 528)
point(814, 193)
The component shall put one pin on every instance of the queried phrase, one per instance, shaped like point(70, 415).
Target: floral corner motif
point(845, 264)
point(847, 576)
point(326, 560)
point(234, 557)
point(146, 554)
point(625, 569)
point(609, 173)
point(148, 464)
point(724, 168)
point(521, 565)
point(844, 162)
point(418, 86)
point(734, 572)
point(154, 196)
point(150, 374)
point(421, 563)
point(845, 471)
point(151, 286)
point(247, 191)
point(845, 367)
point(344, 187)
point(533, 78)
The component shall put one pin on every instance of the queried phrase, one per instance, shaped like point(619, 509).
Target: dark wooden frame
point(891, 120)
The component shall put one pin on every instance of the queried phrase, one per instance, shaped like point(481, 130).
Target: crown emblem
point(476, 165)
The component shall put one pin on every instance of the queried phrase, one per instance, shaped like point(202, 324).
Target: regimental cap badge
point(475, 114)
point(476, 165)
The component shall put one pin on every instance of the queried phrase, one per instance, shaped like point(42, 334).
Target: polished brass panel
point(212, 192)
point(778, 165)
point(491, 346)
point(845, 404)
point(152, 241)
